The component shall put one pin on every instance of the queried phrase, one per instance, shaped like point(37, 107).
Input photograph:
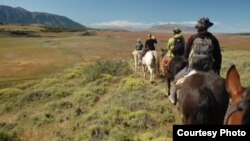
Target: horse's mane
point(207, 102)
point(176, 64)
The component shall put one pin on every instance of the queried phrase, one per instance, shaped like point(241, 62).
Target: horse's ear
point(233, 84)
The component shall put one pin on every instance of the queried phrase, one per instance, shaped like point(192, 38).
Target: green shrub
point(85, 97)
point(72, 73)
point(148, 136)
point(118, 134)
point(98, 132)
point(35, 95)
point(41, 93)
point(131, 84)
point(8, 137)
point(59, 105)
point(141, 120)
point(27, 85)
point(162, 139)
point(6, 107)
point(10, 92)
point(43, 119)
point(112, 67)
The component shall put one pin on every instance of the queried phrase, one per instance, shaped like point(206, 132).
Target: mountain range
point(20, 15)
point(169, 28)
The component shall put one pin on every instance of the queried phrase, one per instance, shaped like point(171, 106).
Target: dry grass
point(47, 109)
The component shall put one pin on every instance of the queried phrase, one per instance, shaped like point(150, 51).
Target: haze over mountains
point(169, 28)
point(20, 15)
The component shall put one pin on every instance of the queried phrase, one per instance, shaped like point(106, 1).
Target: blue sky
point(227, 15)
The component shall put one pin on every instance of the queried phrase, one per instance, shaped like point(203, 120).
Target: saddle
point(180, 81)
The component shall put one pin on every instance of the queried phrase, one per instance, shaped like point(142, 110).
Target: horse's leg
point(135, 61)
point(168, 85)
point(151, 77)
point(151, 71)
point(144, 71)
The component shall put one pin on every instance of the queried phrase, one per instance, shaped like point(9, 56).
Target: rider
point(202, 32)
point(149, 45)
point(138, 45)
point(170, 45)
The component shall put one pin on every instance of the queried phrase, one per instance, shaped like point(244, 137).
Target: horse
point(202, 97)
point(136, 54)
point(150, 62)
point(173, 66)
point(239, 109)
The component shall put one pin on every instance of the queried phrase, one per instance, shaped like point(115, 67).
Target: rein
point(239, 106)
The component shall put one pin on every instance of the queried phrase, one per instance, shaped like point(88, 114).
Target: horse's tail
point(156, 61)
point(206, 107)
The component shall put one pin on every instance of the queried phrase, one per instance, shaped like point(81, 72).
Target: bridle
point(238, 106)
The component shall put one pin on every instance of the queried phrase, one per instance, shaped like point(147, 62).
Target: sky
point(227, 15)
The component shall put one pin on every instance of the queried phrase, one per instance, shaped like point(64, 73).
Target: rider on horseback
point(149, 45)
point(171, 45)
point(202, 52)
point(138, 45)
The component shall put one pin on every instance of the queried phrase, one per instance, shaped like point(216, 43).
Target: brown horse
point(239, 109)
point(173, 67)
point(203, 98)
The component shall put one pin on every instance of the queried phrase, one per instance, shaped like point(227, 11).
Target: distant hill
point(170, 27)
point(19, 15)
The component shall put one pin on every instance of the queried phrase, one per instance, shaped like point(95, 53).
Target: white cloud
point(120, 24)
point(131, 24)
point(182, 22)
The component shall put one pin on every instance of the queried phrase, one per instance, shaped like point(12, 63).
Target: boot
point(172, 96)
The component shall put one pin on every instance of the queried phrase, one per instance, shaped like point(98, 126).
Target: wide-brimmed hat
point(203, 23)
point(177, 30)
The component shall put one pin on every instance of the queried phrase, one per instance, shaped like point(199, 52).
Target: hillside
point(103, 100)
point(170, 27)
point(19, 15)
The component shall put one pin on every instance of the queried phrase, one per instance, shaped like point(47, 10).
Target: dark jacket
point(139, 45)
point(149, 44)
point(216, 51)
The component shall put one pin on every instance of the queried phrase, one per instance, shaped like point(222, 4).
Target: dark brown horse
point(239, 109)
point(173, 67)
point(203, 98)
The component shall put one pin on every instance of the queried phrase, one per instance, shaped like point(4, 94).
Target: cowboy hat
point(203, 23)
point(177, 30)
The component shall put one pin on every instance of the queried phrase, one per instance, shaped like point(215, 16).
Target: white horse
point(136, 54)
point(150, 62)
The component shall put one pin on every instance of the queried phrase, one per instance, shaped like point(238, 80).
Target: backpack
point(201, 57)
point(178, 47)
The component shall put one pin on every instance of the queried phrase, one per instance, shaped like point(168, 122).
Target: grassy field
point(77, 86)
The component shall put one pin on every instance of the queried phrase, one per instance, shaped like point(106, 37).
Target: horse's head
point(239, 109)
point(163, 52)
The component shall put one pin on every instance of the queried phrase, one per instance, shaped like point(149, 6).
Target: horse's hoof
point(152, 82)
